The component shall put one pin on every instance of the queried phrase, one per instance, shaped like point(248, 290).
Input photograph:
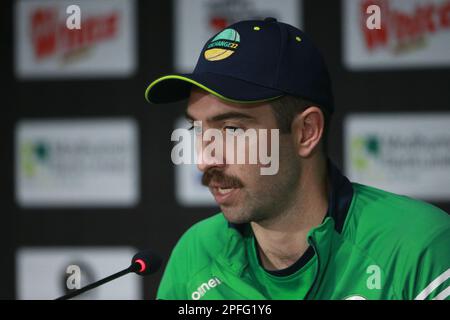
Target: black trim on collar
point(293, 268)
point(341, 196)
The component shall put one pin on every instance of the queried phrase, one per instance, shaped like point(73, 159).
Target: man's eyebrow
point(231, 115)
point(224, 116)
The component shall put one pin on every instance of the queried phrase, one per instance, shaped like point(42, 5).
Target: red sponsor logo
point(50, 36)
point(404, 30)
point(218, 23)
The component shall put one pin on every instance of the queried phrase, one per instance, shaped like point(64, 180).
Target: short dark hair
point(287, 107)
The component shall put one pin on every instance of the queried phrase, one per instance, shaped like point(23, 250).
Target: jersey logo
point(205, 287)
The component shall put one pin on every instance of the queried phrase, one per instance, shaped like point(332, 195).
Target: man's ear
point(307, 130)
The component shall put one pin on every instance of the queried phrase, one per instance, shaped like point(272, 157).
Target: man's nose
point(209, 157)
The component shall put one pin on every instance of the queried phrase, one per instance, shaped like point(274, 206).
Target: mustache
point(217, 176)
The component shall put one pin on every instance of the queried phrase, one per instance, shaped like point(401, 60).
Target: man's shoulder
point(206, 236)
point(392, 221)
point(191, 258)
point(391, 210)
point(407, 238)
point(209, 226)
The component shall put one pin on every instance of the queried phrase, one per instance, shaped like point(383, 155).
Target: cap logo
point(223, 45)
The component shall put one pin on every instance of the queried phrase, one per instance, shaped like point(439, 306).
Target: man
point(305, 232)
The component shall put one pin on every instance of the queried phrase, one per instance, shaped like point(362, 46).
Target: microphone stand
point(93, 285)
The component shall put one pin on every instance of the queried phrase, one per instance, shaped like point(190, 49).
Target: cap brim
point(173, 88)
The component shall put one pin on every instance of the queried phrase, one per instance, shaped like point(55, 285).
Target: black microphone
point(143, 263)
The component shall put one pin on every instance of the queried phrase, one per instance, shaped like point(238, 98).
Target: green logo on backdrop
point(31, 155)
point(362, 149)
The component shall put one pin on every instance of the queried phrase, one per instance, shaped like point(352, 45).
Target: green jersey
point(372, 245)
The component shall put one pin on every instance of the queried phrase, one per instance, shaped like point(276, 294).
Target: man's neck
point(282, 240)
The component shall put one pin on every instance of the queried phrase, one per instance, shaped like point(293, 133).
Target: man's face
point(243, 194)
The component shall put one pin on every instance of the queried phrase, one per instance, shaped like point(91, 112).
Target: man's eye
point(231, 129)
